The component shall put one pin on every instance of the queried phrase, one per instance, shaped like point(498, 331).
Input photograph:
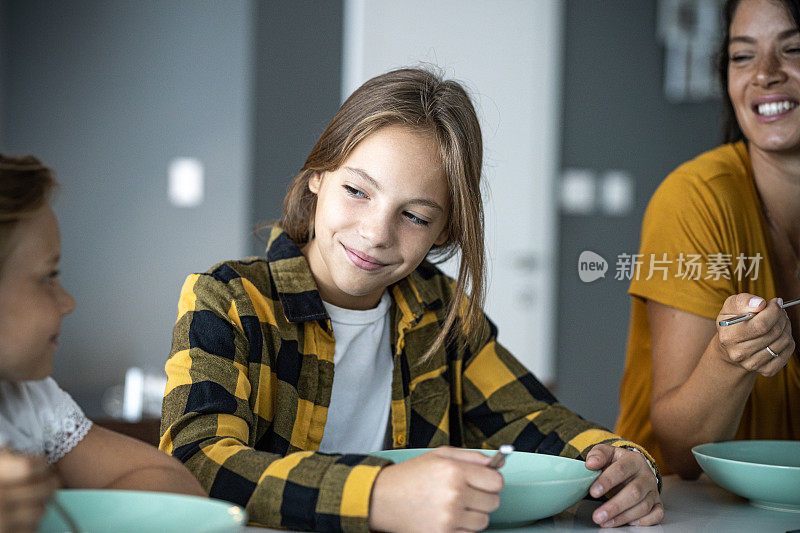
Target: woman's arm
point(109, 460)
point(703, 373)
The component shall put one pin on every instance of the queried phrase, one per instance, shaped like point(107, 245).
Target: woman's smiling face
point(32, 300)
point(764, 74)
point(377, 216)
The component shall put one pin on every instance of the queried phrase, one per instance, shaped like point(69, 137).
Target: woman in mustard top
point(720, 238)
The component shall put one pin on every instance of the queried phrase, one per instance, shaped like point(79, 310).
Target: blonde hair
point(423, 101)
point(25, 184)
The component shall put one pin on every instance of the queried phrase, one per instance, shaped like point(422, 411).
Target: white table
point(690, 506)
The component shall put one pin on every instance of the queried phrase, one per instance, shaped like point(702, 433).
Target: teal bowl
point(766, 472)
point(536, 485)
point(129, 511)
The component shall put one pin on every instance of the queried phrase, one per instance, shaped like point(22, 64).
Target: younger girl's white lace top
point(37, 417)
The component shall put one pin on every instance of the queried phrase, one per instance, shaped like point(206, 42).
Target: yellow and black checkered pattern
point(250, 376)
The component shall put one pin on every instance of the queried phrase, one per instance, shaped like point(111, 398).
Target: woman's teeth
point(773, 108)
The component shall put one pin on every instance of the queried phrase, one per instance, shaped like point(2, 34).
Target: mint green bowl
point(766, 472)
point(128, 511)
point(536, 485)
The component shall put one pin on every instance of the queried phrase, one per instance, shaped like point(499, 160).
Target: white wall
point(507, 53)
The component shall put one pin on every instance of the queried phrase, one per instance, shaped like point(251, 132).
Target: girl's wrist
point(378, 519)
point(649, 463)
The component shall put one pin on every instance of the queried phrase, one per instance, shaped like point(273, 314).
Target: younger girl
point(45, 440)
point(286, 370)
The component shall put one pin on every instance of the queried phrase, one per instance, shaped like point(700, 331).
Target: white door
point(507, 53)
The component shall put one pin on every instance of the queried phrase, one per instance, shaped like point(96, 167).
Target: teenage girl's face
point(764, 74)
point(32, 300)
point(377, 216)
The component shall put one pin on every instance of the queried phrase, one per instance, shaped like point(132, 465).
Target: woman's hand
point(703, 373)
point(745, 344)
point(637, 501)
point(26, 485)
point(447, 489)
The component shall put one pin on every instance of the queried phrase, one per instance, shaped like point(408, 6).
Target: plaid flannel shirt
point(250, 375)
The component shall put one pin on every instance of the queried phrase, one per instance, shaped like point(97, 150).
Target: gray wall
point(298, 78)
point(3, 46)
point(116, 90)
point(614, 117)
point(107, 93)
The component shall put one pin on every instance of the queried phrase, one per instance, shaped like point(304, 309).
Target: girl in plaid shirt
point(253, 406)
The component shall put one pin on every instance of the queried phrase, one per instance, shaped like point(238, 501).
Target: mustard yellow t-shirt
point(704, 238)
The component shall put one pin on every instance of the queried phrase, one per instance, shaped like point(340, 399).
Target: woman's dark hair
point(731, 131)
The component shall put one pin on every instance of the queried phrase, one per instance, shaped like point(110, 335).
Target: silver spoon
point(748, 316)
point(501, 454)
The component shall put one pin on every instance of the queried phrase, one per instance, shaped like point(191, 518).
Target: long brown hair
point(424, 101)
point(24, 187)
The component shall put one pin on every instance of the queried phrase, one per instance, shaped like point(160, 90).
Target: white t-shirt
point(37, 417)
point(358, 414)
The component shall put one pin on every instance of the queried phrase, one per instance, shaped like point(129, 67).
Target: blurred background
point(174, 126)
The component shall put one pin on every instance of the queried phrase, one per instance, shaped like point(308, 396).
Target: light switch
point(616, 192)
point(186, 182)
point(578, 191)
